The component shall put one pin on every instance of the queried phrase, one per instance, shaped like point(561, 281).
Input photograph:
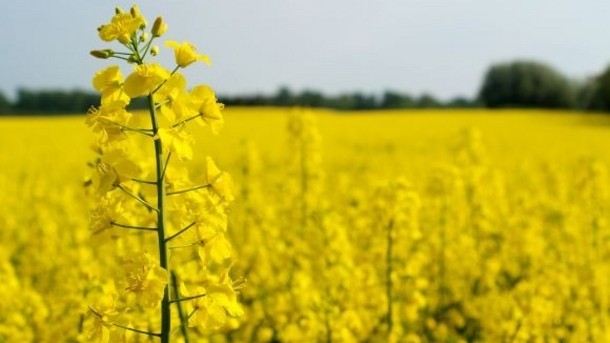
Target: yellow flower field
point(395, 226)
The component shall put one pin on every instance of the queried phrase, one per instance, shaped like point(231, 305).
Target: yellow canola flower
point(208, 107)
point(175, 102)
point(121, 27)
point(213, 245)
point(108, 119)
point(114, 167)
point(178, 141)
point(145, 79)
point(146, 279)
point(103, 215)
point(104, 313)
point(217, 249)
point(185, 53)
point(221, 182)
point(109, 82)
point(213, 309)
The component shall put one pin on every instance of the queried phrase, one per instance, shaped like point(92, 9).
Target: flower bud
point(159, 27)
point(135, 11)
point(154, 50)
point(144, 37)
point(118, 10)
point(103, 54)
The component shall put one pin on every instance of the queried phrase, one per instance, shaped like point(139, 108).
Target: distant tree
point(5, 104)
point(391, 99)
point(427, 101)
point(283, 97)
point(78, 101)
point(310, 98)
point(594, 94)
point(341, 102)
point(364, 102)
point(245, 100)
point(26, 101)
point(461, 102)
point(54, 101)
point(526, 84)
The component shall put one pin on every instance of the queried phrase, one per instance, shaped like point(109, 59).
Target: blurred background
point(345, 54)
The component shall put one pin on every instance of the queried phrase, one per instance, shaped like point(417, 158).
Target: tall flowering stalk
point(166, 221)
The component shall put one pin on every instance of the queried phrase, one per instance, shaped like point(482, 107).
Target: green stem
point(188, 298)
point(137, 198)
point(187, 245)
point(442, 263)
point(162, 83)
point(144, 181)
point(145, 51)
point(163, 252)
point(125, 226)
point(191, 314)
point(182, 122)
point(188, 190)
point(389, 284)
point(98, 315)
point(183, 319)
point(134, 47)
point(144, 132)
point(120, 58)
point(169, 154)
point(179, 232)
point(138, 331)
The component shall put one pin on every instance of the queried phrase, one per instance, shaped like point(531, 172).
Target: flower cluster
point(165, 218)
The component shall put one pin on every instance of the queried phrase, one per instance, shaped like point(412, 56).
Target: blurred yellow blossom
point(185, 53)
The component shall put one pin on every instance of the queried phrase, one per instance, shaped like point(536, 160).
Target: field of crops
point(416, 226)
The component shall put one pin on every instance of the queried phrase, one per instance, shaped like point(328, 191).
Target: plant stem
point(389, 284)
point(182, 122)
point(183, 319)
point(188, 190)
point(188, 298)
point(144, 181)
point(137, 198)
point(179, 232)
point(169, 154)
point(163, 255)
point(137, 330)
point(135, 227)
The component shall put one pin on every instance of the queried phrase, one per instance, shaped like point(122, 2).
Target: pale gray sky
point(413, 46)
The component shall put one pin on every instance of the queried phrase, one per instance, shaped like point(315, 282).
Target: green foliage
point(53, 101)
point(5, 104)
point(345, 101)
point(594, 94)
point(427, 101)
point(392, 99)
point(526, 84)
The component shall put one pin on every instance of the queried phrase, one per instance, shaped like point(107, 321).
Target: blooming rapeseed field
point(405, 226)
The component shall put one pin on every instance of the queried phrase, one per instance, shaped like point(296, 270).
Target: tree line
point(50, 102)
point(517, 84)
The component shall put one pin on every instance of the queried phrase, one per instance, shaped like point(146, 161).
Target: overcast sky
point(414, 46)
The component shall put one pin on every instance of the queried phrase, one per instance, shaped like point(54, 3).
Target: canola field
point(394, 226)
